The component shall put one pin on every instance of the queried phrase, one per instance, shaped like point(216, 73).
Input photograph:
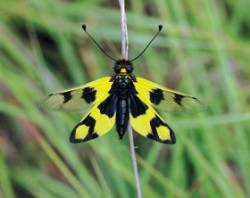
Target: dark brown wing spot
point(66, 96)
point(89, 94)
point(137, 107)
point(156, 96)
point(178, 98)
point(108, 106)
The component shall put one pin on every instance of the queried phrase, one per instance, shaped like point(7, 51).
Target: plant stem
point(124, 30)
point(124, 34)
point(132, 151)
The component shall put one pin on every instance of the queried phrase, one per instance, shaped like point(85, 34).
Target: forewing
point(147, 122)
point(166, 99)
point(79, 97)
point(99, 120)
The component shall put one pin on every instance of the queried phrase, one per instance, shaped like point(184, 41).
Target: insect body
point(121, 99)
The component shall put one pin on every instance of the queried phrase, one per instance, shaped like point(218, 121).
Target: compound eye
point(117, 68)
point(129, 68)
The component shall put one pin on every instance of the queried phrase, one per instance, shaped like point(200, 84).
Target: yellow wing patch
point(166, 99)
point(81, 132)
point(78, 98)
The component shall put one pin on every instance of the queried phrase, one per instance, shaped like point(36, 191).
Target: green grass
point(203, 50)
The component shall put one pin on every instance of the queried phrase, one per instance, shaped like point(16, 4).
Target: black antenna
point(84, 27)
point(160, 28)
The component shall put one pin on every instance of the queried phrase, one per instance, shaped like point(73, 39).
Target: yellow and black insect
point(121, 99)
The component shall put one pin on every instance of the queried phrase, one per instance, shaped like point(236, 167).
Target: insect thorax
point(123, 79)
point(123, 84)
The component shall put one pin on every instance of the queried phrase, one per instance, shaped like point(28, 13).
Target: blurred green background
point(203, 50)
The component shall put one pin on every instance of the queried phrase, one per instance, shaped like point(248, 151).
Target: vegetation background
point(203, 50)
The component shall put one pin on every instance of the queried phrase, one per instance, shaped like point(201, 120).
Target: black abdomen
point(124, 85)
point(122, 116)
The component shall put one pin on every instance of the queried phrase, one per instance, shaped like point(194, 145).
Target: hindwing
point(99, 120)
point(147, 122)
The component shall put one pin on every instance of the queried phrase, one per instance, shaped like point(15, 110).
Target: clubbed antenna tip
point(84, 27)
